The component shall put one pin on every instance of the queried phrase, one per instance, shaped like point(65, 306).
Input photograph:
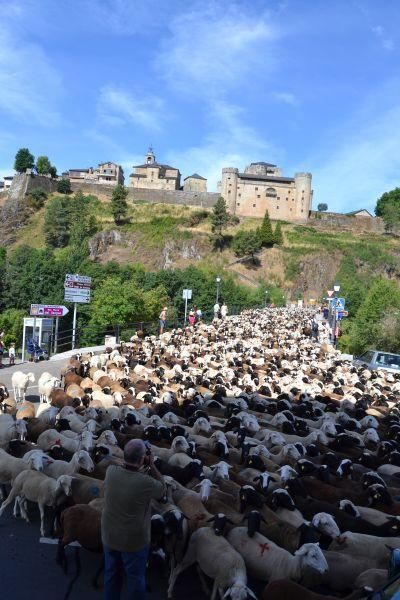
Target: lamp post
point(283, 298)
point(336, 289)
point(218, 280)
point(266, 297)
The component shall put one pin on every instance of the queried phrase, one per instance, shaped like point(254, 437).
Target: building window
point(270, 192)
point(229, 191)
point(254, 205)
point(302, 210)
point(288, 191)
point(291, 209)
point(278, 198)
point(277, 207)
point(237, 203)
point(287, 199)
point(258, 196)
point(256, 189)
point(239, 195)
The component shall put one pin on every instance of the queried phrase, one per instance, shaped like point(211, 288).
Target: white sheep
point(48, 438)
point(11, 429)
point(267, 561)
point(362, 545)
point(39, 488)
point(46, 384)
point(228, 571)
point(79, 460)
point(10, 466)
point(20, 382)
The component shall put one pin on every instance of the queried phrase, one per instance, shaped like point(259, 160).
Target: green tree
point(43, 165)
point(11, 322)
point(119, 206)
point(391, 198)
point(37, 197)
point(265, 232)
point(278, 235)
point(246, 244)
point(64, 186)
point(24, 160)
point(391, 216)
point(322, 207)
point(53, 172)
point(219, 221)
point(57, 222)
point(383, 297)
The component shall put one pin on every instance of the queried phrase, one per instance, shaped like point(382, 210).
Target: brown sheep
point(26, 410)
point(60, 399)
point(80, 523)
point(71, 377)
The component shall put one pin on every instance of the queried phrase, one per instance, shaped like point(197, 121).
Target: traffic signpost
point(48, 310)
point(76, 290)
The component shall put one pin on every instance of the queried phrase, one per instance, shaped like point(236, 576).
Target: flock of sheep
point(282, 461)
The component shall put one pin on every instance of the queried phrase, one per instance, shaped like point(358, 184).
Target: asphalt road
point(28, 567)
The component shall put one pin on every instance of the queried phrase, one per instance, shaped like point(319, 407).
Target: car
point(375, 359)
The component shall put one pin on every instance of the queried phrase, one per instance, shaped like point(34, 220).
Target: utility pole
point(74, 327)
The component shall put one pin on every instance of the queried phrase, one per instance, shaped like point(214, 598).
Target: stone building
point(262, 187)
point(108, 173)
point(195, 183)
point(154, 176)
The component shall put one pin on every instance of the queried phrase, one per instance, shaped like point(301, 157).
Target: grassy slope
point(308, 261)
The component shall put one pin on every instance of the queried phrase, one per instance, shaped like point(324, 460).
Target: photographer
point(126, 519)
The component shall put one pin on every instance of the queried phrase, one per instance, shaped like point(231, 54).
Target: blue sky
point(310, 85)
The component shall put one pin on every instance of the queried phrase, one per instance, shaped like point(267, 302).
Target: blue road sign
point(340, 303)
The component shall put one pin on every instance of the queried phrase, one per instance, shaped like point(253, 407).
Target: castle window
point(256, 189)
point(291, 209)
point(237, 203)
point(229, 191)
point(258, 196)
point(288, 191)
point(270, 192)
point(254, 205)
point(287, 198)
point(239, 195)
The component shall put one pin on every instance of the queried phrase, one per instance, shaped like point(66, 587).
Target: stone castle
point(262, 187)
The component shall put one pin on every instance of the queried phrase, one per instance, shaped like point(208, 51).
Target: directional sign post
point(76, 290)
point(48, 310)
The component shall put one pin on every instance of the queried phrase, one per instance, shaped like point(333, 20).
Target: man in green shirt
point(126, 520)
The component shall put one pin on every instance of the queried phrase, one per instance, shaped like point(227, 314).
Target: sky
point(309, 85)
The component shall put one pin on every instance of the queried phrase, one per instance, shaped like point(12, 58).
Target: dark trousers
point(134, 564)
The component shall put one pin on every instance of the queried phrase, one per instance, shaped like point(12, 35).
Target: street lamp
point(283, 298)
point(218, 280)
point(336, 289)
point(266, 296)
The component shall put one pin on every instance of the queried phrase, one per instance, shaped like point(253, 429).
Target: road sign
point(330, 293)
point(340, 303)
point(78, 279)
point(187, 294)
point(77, 295)
point(48, 310)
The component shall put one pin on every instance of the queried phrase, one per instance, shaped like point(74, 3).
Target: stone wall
point(202, 199)
point(39, 181)
point(328, 220)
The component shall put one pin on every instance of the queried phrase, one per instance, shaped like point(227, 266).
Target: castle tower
point(150, 157)
point(303, 195)
point(229, 187)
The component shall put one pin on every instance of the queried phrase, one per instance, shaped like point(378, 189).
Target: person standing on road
point(126, 520)
point(224, 310)
point(217, 310)
point(11, 355)
point(163, 319)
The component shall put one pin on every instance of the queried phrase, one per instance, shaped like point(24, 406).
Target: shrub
point(64, 186)
point(37, 198)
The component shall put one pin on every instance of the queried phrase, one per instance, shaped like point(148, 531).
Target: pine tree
point(119, 206)
point(24, 160)
point(246, 244)
point(278, 236)
point(219, 221)
point(64, 186)
point(266, 233)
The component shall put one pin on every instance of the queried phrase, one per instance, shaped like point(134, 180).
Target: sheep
point(25, 410)
point(343, 570)
point(80, 460)
point(50, 437)
point(11, 429)
point(267, 561)
point(377, 549)
point(10, 466)
point(373, 579)
point(46, 383)
point(20, 382)
point(228, 572)
point(37, 487)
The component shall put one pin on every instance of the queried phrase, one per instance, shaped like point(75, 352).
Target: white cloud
point(387, 42)
point(229, 143)
point(285, 97)
point(120, 107)
point(364, 165)
point(213, 46)
point(30, 86)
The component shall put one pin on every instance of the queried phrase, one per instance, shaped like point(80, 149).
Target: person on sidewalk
point(163, 319)
point(126, 520)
